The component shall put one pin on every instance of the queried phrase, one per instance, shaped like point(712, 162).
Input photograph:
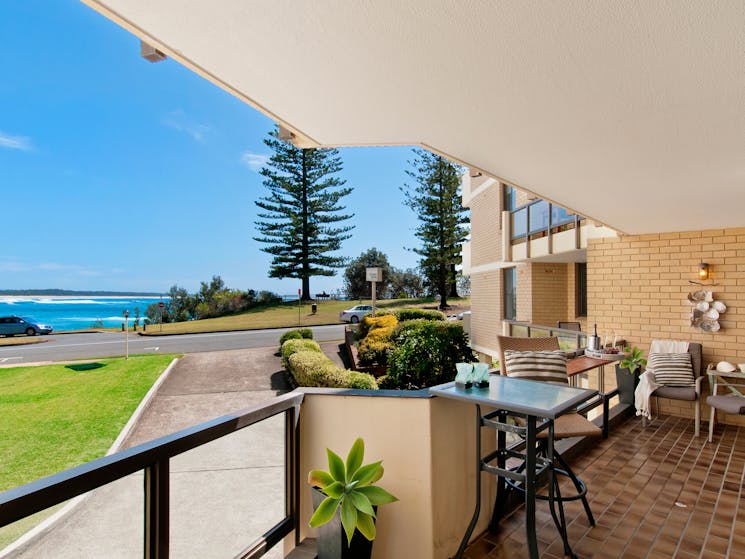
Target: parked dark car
point(12, 325)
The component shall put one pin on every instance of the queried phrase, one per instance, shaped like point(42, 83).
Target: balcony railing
point(568, 339)
point(540, 217)
point(154, 458)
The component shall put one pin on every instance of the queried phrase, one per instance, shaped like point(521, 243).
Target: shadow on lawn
point(85, 366)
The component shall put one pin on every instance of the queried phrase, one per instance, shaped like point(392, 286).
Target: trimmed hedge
point(415, 314)
point(310, 367)
point(292, 346)
point(296, 334)
point(425, 353)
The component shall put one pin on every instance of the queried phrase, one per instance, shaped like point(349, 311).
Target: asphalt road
point(64, 347)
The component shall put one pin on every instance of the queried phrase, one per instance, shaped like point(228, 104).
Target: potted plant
point(345, 502)
point(627, 374)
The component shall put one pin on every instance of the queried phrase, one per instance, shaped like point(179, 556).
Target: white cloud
point(15, 266)
point(178, 120)
point(15, 142)
point(254, 161)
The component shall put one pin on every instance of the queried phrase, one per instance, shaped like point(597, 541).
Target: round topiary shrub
point(416, 314)
point(289, 335)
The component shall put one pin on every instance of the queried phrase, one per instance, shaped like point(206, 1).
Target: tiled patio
point(655, 492)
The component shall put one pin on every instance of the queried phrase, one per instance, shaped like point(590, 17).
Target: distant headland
point(69, 293)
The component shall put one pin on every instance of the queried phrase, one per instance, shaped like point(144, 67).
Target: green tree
point(406, 283)
point(355, 278)
point(300, 212)
point(443, 221)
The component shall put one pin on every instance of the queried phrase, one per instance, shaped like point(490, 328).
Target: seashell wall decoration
point(706, 311)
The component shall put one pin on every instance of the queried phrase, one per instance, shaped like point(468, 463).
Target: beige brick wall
point(486, 308)
point(524, 292)
point(486, 233)
point(549, 292)
point(638, 286)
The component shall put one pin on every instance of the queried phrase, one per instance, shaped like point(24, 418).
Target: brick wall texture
point(638, 286)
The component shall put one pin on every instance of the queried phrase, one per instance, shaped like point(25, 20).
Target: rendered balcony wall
point(428, 450)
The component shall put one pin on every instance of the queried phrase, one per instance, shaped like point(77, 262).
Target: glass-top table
point(538, 404)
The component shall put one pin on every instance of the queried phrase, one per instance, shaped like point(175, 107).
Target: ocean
point(75, 313)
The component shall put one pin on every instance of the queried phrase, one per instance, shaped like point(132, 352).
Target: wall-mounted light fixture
point(703, 271)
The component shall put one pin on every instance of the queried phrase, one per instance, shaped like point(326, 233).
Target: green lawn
point(288, 315)
point(55, 417)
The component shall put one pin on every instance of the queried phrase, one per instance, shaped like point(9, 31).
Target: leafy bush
point(296, 334)
point(415, 314)
point(362, 381)
point(369, 323)
point(425, 353)
point(295, 345)
point(289, 335)
point(375, 353)
point(311, 368)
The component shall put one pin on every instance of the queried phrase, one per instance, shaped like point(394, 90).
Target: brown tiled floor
point(656, 492)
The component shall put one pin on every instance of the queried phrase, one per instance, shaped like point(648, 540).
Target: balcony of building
point(655, 489)
point(540, 230)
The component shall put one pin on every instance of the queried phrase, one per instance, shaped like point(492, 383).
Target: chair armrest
point(699, 380)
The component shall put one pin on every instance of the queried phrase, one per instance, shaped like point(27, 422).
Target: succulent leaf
point(319, 478)
point(324, 512)
point(336, 466)
point(355, 456)
point(336, 490)
point(366, 525)
point(377, 495)
point(361, 502)
point(348, 519)
point(367, 473)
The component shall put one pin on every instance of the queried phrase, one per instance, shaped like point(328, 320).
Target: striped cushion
point(547, 366)
point(671, 369)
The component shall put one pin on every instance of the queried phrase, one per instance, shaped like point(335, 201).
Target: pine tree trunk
point(453, 283)
point(306, 289)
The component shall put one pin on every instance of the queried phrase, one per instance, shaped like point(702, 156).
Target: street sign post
point(374, 275)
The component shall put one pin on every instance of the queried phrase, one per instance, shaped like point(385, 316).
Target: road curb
point(159, 334)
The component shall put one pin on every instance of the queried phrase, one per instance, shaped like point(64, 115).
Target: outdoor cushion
point(727, 404)
point(676, 392)
point(546, 366)
point(671, 369)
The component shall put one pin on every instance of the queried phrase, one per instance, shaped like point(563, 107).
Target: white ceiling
point(632, 113)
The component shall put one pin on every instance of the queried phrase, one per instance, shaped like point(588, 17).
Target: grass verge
point(288, 315)
point(59, 416)
point(26, 340)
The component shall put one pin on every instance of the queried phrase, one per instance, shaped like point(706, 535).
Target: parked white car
point(355, 314)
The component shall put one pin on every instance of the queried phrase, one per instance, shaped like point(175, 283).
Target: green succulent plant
point(633, 360)
point(348, 487)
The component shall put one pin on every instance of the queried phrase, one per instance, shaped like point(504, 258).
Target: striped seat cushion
point(671, 369)
point(546, 366)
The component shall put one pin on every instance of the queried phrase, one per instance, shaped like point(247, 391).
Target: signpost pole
point(126, 335)
point(374, 275)
point(299, 303)
point(374, 289)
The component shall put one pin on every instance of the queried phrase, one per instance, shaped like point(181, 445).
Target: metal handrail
point(153, 457)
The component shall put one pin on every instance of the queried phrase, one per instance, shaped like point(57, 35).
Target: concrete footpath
point(223, 495)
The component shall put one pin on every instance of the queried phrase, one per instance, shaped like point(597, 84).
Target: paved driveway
point(223, 495)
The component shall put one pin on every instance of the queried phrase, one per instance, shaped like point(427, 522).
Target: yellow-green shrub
point(292, 346)
point(371, 322)
point(311, 368)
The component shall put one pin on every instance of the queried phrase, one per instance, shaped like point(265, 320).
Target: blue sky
point(119, 174)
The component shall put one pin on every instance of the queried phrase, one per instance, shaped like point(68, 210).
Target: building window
point(581, 288)
point(508, 198)
point(509, 287)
